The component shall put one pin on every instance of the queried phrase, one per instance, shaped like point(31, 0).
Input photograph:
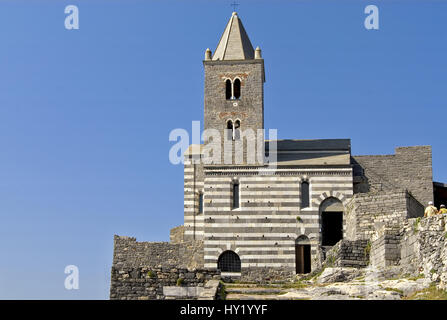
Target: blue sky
point(85, 114)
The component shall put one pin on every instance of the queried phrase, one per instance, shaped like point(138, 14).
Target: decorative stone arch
point(331, 194)
point(230, 246)
point(302, 239)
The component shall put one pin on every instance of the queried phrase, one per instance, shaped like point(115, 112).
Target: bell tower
point(234, 87)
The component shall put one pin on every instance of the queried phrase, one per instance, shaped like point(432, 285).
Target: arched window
point(228, 89)
point(237, 89)
point(235, 195)
point(230, 130)
point(229, 261)
point(305, 197)
point(237, 130)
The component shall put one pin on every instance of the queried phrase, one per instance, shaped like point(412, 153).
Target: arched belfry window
point(237, 89)
point(229, 261)
point(305, 194)
point(230, 130)
point(232, 89)
point(237, 130)
point(228, 89)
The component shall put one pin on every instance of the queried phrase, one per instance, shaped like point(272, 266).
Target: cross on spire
point(234, 5)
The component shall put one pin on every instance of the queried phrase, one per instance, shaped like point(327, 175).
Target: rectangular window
point(200, 202)
point(235, 195)
point(305, 198)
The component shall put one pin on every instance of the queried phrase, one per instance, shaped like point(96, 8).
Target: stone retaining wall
point(385, 246)
point(424, 248)
point(144, 283)
point(141, 269)
point(130, 253)
point(348, 253)
point(267, 275)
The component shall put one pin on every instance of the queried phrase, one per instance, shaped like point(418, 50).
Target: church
point(286, 218)
point(281, 214)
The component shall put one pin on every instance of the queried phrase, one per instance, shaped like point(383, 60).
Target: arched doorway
point(331, 215)
point(229, 261)
point(302, 255)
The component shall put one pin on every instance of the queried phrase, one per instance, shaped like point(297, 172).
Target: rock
point(338, 274)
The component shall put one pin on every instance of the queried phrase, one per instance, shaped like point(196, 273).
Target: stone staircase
point(240, 291)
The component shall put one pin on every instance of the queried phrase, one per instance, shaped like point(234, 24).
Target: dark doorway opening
point(302, 259)
point(331, 228)
point(229, 261)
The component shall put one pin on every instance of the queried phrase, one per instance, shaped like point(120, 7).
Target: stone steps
point(239, 291)
point(238, 296)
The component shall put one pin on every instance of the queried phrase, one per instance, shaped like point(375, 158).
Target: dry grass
point(431, 293)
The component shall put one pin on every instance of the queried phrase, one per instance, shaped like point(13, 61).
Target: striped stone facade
point(264, 229)
point(193, 187)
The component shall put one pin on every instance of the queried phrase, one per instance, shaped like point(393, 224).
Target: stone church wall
point(409, 168)
point(263, 231)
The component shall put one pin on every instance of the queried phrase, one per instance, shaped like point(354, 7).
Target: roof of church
point(312, 152)
point(312, 145)
point(234, 43)
point(318, 152)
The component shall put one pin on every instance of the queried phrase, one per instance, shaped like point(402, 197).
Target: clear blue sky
point(85, 114)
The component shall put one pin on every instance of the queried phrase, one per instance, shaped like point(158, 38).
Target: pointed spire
point(234, 43)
